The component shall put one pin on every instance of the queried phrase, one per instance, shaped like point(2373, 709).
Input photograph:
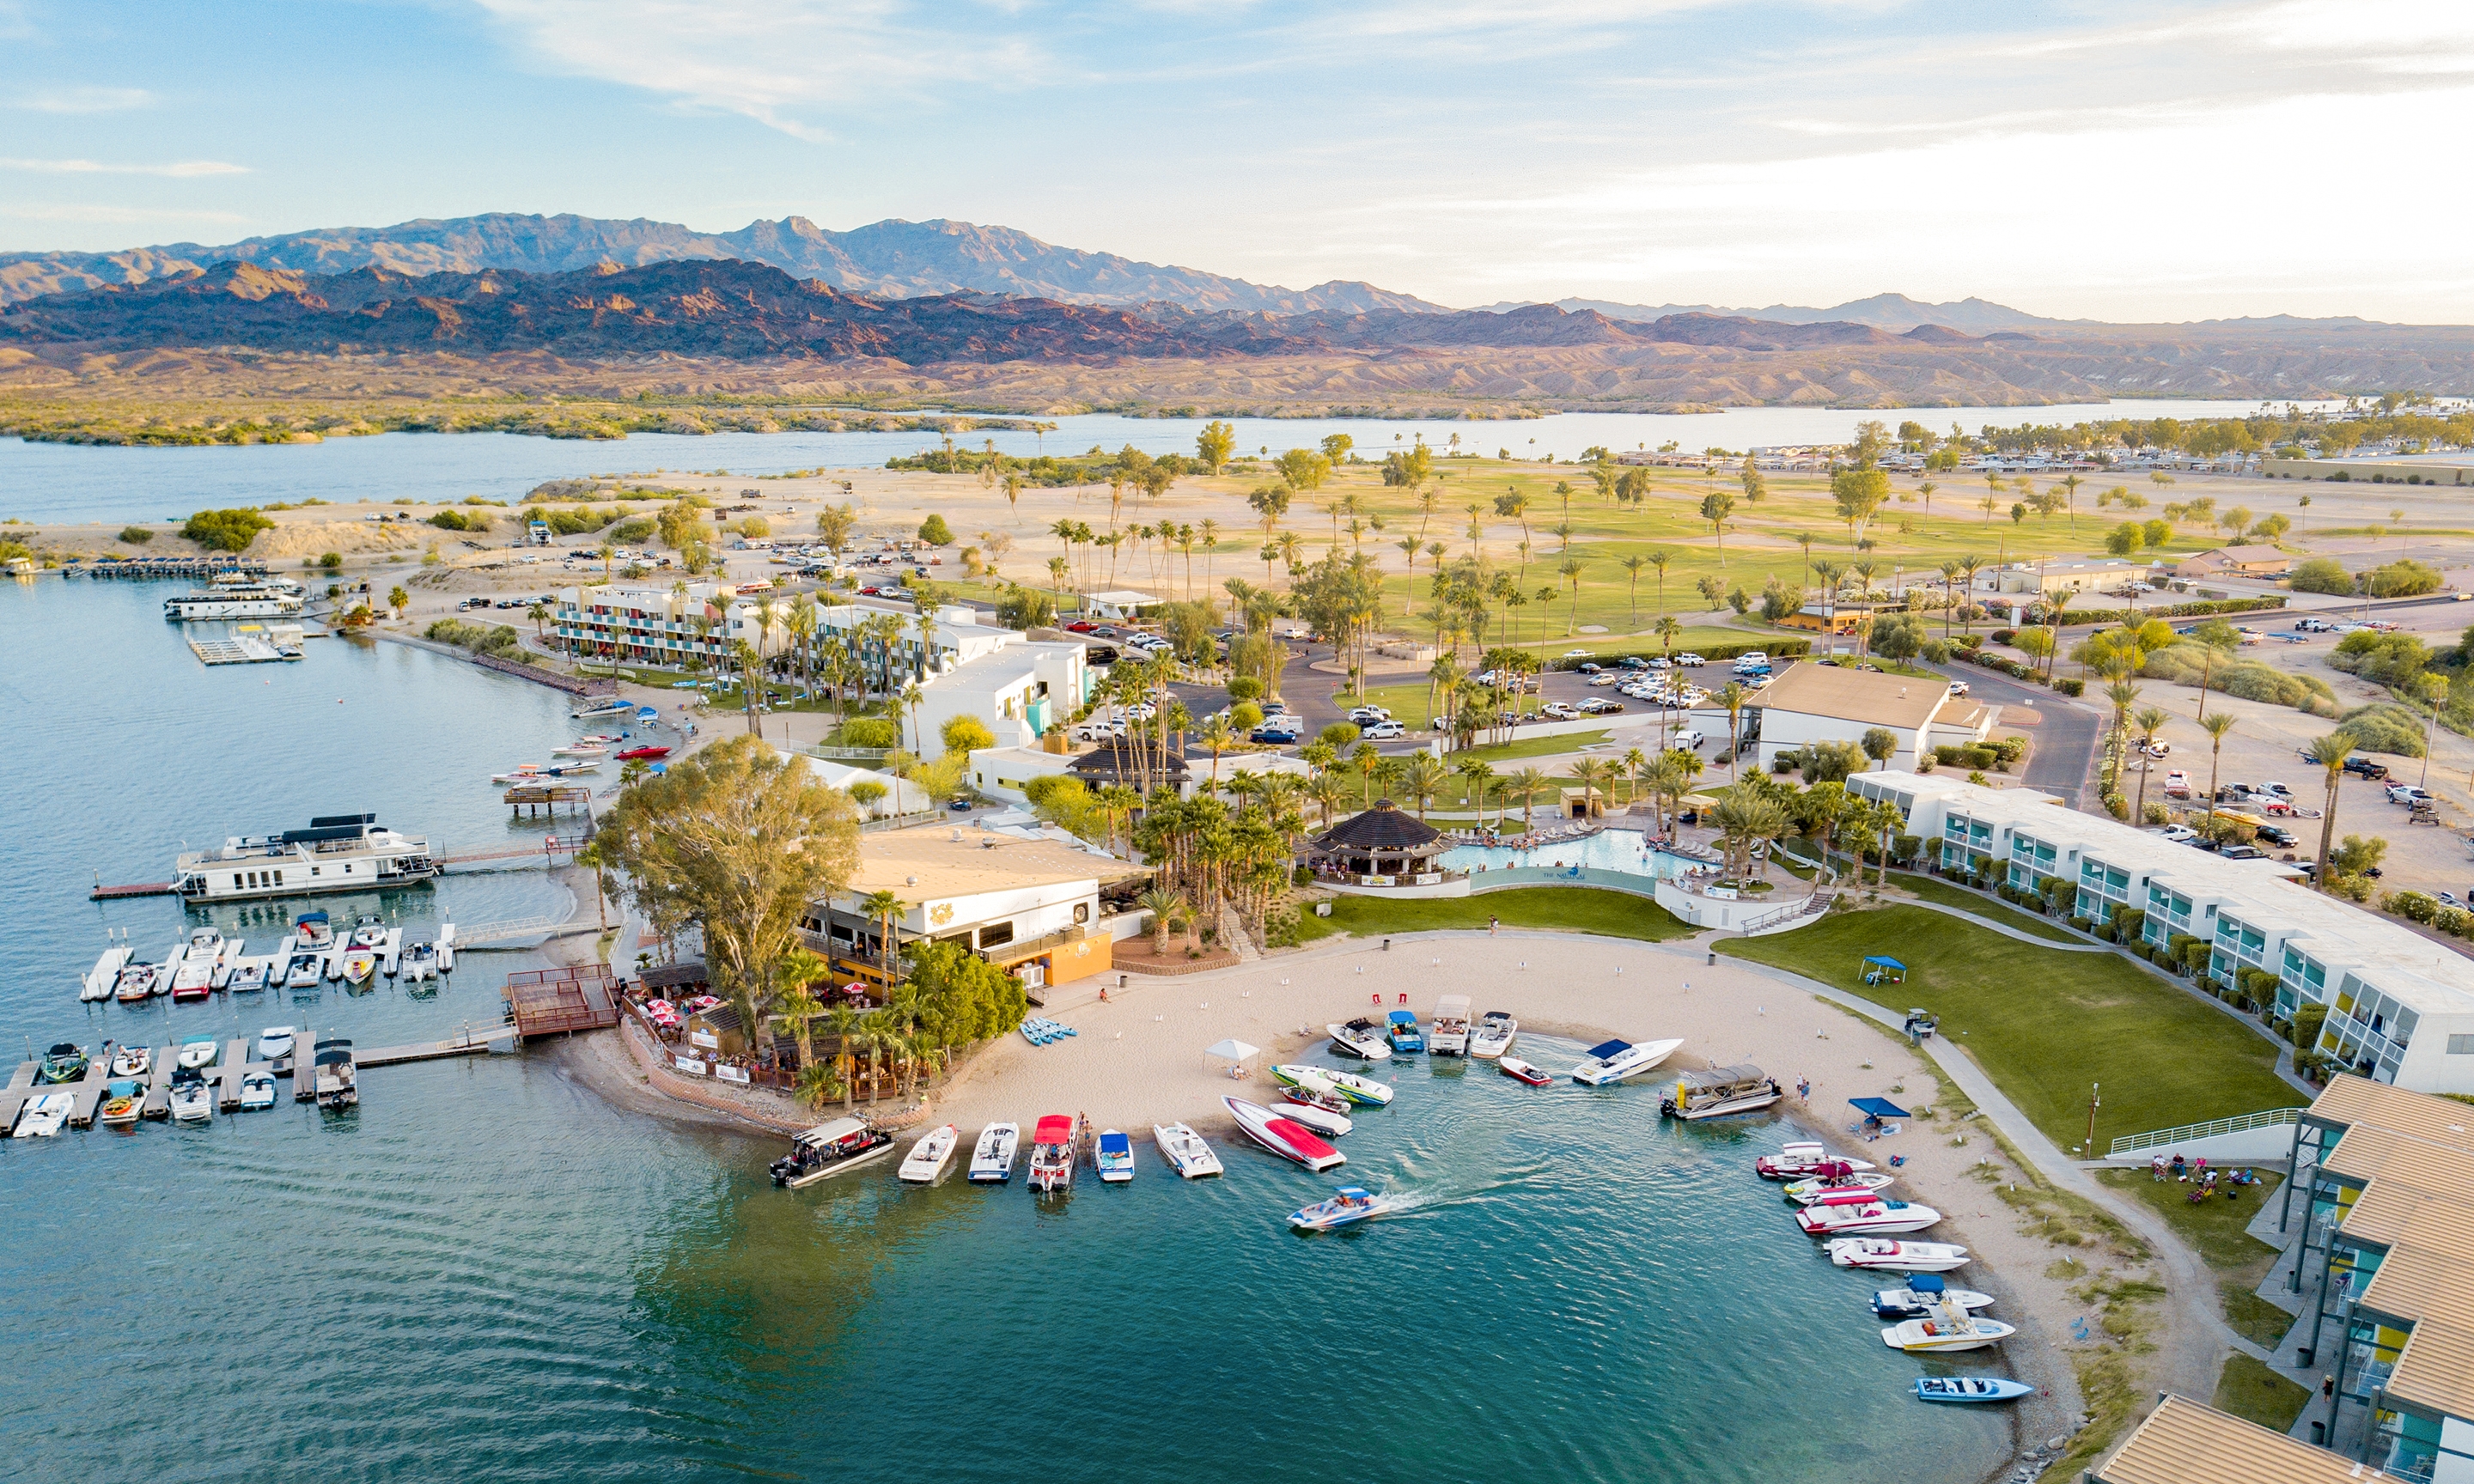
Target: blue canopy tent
point(1877, 1109)
point(1879, 969)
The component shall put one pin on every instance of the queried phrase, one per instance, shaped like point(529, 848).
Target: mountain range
point(888, 259)
point(1881, 311)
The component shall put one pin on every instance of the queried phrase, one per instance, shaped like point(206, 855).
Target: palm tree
point(1631, 565)
point(1593, 774)
point(1745, 819)
point(1659, 560)
point(885, 908)
point(1948, 604)
point(1327, 790)
point(2330, 754)
point(1734, 697)
point(1219, 736)
point(1424, 778)
point(537, 613)
point(2216, 727)
point(814, 1086)
point(1528, 783)
point(2149, 720)
point(1969, 566)
point(1165, 907)
point(1117, 802)
point(912, 698)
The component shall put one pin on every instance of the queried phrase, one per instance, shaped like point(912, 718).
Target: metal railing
point(2141, 1143)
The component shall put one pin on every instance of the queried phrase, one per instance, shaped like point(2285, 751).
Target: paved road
point(2063, 759)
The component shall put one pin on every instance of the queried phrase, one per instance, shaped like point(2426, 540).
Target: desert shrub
point(2413, 906)
point(869, 731)
point(2404, 578)
point(632, 532)
point(2184, 662)
point(495, 639)
point(754, 528)
point(136, 535)
point(2455, 922)
point(2071, 687)
point(225, 529)
point(935, 533)
point(2323, 574)
point(2385, 727)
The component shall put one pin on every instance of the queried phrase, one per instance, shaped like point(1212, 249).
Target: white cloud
point(179, 170)
point(83, 100)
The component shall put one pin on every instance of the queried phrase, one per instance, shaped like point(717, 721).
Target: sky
point(2135, 161)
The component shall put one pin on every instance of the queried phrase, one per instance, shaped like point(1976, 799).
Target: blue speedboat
point(1352, 1205)
point(1971, 1388)
point(1404, 1033)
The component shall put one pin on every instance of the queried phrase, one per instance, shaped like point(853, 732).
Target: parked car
point(2177, 784)
point(2179, 834)
point(1364, 714)
point(1605, 678)
point(1688, 740)
point(1958, 688)
point(1588, 667)
point(1380, 732)
point(1690, 659)
point(1270, 737)
point(1600, 706)
point(2364, 767)
point(2277, 835)
point(2243, 852)
point(1561, 710)
point(1634, 662)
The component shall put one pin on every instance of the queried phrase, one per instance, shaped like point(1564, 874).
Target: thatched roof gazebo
point(1380, 842)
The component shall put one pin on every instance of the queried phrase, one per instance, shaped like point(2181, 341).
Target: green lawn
point(1933, 889)
point(2249, 1389)
point(2046, 1025)
point(1582, 910)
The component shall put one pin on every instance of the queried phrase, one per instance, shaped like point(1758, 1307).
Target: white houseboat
point(239, 597)
point(338, 852)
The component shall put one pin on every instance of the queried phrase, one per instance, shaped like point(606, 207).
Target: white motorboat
point(199, 958)
point(1870, 1218)
point(139, 982)
point(1362, 1039)
point(1889, 1257)
point(275, 1043)
point(1284, 1136)
point(358, 964)
point(420, 962)
point(1494, 1035)
point(993, 1156)
point(1323, 1120)
point(1449, 1035)
point(249, 975)
point(1950, 1328)
point(193, 1101)
point(927, 1160)
point(1851, 1186)
point(616, 706)
point(305, 971)
point(256, 1091)
point(1186, 1150)
point(368, 932)
point(1721, 1092)
point(196, 1051)
point(1364, 1091)
point(1923, 1293)
point(522, 773)
point(132, 1062)
point(1352, 1205)
point(1614, 1060)
point(580, 750)
point(43, 1115)
point(1113, 1156)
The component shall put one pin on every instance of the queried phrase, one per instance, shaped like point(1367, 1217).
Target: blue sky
point(2125, 162)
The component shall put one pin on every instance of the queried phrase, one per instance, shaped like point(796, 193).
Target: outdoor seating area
point(1380, 847)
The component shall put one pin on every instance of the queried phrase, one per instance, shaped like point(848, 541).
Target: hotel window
point(2460, 1045)
point(996, 934)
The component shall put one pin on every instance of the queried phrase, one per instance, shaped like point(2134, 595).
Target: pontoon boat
point(830, 1149)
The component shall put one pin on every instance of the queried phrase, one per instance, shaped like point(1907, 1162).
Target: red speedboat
point(648, 753)
point(1520, 1070)
point(1286, 1137)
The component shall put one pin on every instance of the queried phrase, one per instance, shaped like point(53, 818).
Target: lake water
point(485, 1272)
point(65, 482)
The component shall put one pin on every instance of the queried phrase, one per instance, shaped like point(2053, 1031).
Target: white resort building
point(2400, 1007)
point(1817, 702)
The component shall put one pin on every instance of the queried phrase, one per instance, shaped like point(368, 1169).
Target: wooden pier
point(547, 1001)
point(535, 798)
point(103, 893)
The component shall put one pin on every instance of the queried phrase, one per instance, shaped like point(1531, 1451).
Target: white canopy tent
point(1235, 1053)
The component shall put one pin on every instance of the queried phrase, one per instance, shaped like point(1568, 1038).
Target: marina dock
point(165, 567)
point(242, 649)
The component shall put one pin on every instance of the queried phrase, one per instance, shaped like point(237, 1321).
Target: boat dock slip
point(544, 1002)
point(496, 1039)
point(85, 1094)
point(229, 1070)
point(103, 893)
point(158, 1084)
point(243, 649)
point(536, 798)
point(166, 567)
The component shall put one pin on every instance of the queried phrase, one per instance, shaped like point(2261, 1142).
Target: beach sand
point(1138, 1059)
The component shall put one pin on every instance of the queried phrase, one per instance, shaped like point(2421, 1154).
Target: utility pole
point(2094, 1103)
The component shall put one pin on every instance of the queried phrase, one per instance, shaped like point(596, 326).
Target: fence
point(2141, 1143)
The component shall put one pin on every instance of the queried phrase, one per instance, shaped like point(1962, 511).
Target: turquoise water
point(485, 1272)
point(63, 482)
point(1609, 850)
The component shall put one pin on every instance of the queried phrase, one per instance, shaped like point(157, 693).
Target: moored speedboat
point(1113, 1156)
point(993, 1156)
point(1889, 1257)
point(1360, 1038)
point(256, 1091)
point(1054, 1153)
point(1186, 1150)
point(196, 1052)
point(580, 750)
point(1922, 1294)
point(65, 1062)
point(122, 1103)
point(1402, 1033)
point(928, 1157)
point(522, 773)
point(1869, 1218)
point(1522, 1072)
point(420, 962)
point(192, 1101)
point(1493, 1033)
point(1947, 1329)
point(132, 1062)
point(138, 983)
point(1837, 1188)
point(199, 960)
point(1364, 1091)
point(305, 971)
point(1352, 1205)
point(1286, 1137)
point(369, 932)
point(42, 1115)
point(1449, 1035)
point(830, 1149)
point(358, 964)
point(1314, 1114)
point(1801, 1160)
point(275, 1043)
point(613, 707)
point(1614, 1061)
point(313, 932)
point(644, 755)
point(1971, 1388)
point(249, 975)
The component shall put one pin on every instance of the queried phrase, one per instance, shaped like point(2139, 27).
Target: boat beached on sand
point(1971, 1388)
point(1612, 1061)
point(830, 1149)
point(1400, 1030)
point(1449, 1035)
point(1923, 1293)
point(1947, 1328)
point(1805, 1192)
point(1326, 1121)
point(1186, 1150)
point(1801, 1160)
point(1720, 1093)
point(1364, 1091)
point(1352, 1205)
point(927, 1160)
point(993, 1156)
point(1494, 1035)
point(1284, 1136)
point(1360, 1038)
point(1889, 1257)
point(1055, 1151)
point(1876, 1218)
point(1113, 1156)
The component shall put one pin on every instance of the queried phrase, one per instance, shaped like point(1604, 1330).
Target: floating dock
point(243, 649)
point(166, 567)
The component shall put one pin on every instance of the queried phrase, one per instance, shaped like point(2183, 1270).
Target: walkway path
point(2191, 1349)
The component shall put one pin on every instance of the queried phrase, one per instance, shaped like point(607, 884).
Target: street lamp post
point(2094, 1103)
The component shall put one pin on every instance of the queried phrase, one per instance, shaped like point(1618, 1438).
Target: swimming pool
point(1623, 851)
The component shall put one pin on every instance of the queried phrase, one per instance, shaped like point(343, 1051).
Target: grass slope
point(1572, 909)
point(2046, 1025)
point(1987, 908)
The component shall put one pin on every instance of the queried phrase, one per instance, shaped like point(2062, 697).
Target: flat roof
point(2436, 1369)
point(2184, 1442)
point(1852, 695)
point(2350, 1100)
point(2417, 1283)
point(927, 861)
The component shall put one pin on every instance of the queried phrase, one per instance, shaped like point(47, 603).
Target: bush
point(2185, 662)
point(2071, 687)
point(333, 561)
point(1026, 608)
point(2455, 922)
point(497, 640)
point(2005, 636)
point(2385, 727)
point(2404, 578)
point(632, 532)
point(136, 535)
point(225, 529)
point(2413, 906)
point(2157, 814)
point(966, 734)
point(1935, 652)
point(2304, 1032)
point(869, 731)
point(935, 533)
point(461, 520)
point(754, 528)
point(2323, 574)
